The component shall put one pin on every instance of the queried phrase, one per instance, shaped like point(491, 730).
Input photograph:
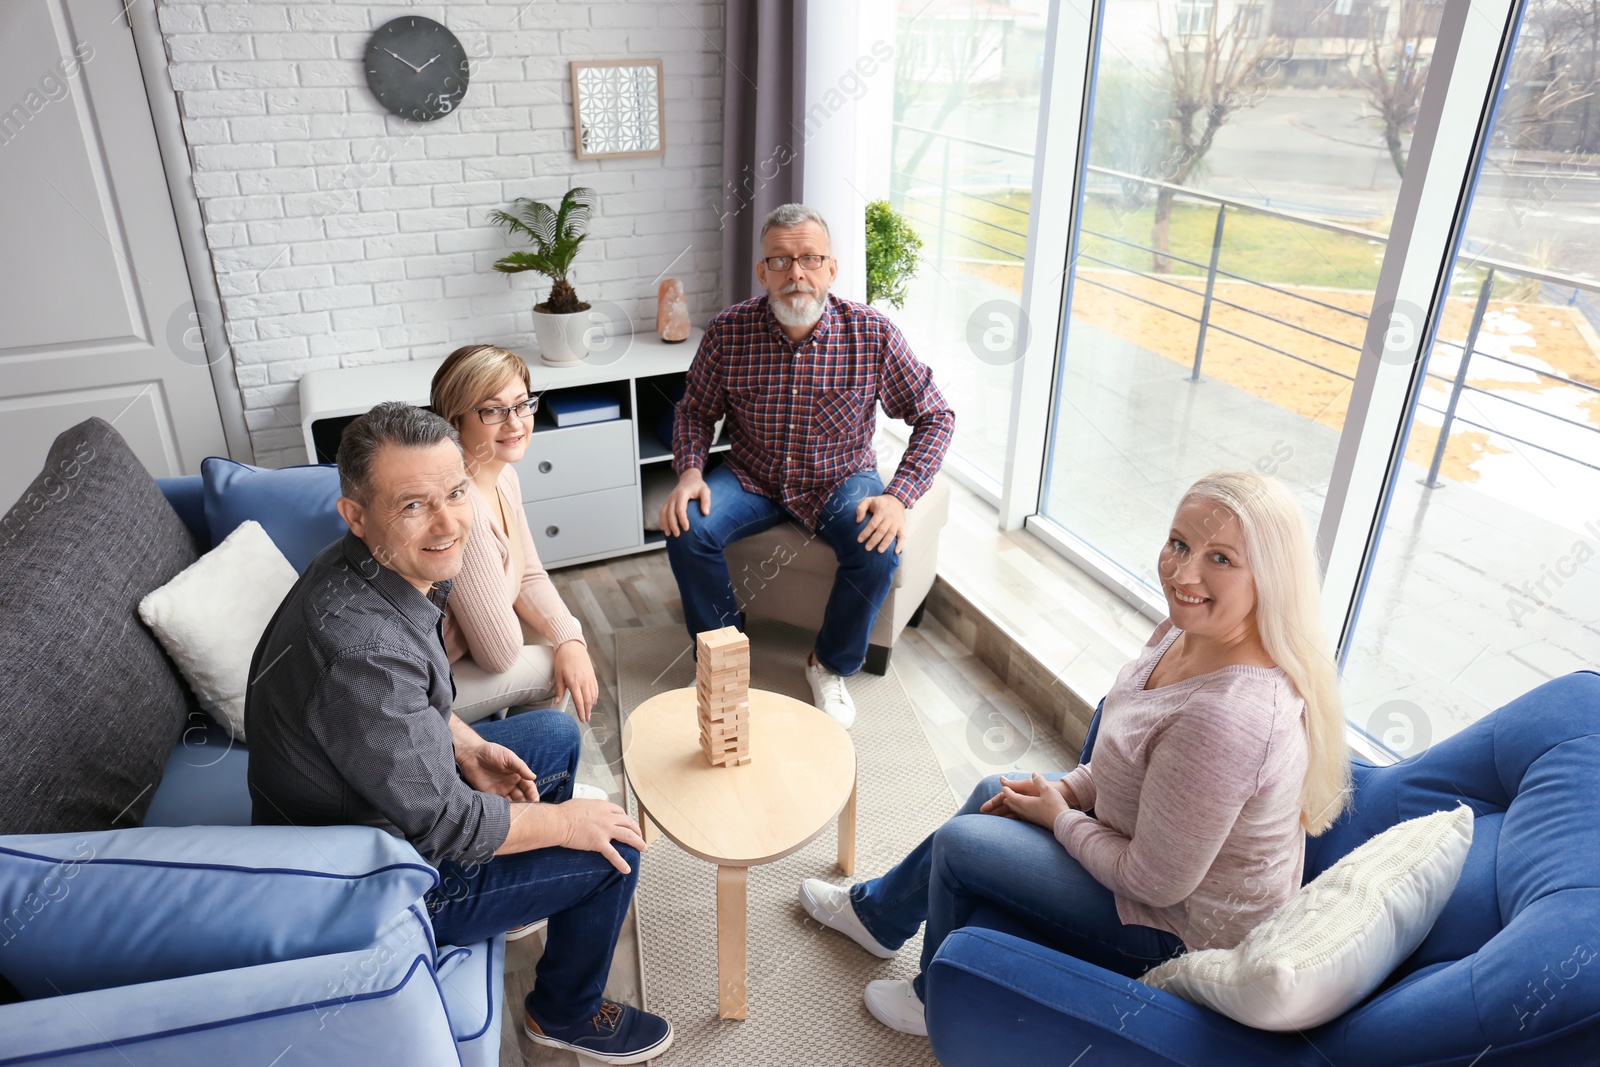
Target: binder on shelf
point(575, 407)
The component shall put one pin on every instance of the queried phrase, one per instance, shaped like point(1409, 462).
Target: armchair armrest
point(378, 1004)
point(989, 990)
point(120, 907)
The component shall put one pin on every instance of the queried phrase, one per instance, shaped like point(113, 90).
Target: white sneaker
point(520, 932)
point(894, 1004)
point(585, 791)
point(829, 694)
point(830, 905)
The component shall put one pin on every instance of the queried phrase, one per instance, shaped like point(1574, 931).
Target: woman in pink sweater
point(510, 638)
point(1219, 748)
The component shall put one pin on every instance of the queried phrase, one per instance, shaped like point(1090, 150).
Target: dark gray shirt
point(347, 713)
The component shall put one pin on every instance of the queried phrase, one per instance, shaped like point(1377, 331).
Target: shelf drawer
point(588, 524)
point(577, 459)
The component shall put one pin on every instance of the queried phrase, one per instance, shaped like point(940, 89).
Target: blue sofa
point(1510, 973)
point(398, 1001)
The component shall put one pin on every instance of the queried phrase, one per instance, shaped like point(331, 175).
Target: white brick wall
point(343, 236)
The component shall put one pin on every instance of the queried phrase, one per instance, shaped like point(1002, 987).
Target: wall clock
point(417, 68)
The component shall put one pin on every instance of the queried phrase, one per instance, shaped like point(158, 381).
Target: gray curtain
point(763, 128)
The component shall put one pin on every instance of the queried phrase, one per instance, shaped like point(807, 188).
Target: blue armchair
point(400, 1000)
point(1510, 973)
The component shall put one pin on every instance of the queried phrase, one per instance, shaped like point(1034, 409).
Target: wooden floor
point(974, 724)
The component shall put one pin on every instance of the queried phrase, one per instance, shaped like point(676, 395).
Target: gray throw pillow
point(90, 705)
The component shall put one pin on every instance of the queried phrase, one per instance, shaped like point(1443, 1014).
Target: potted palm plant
point(556, 234)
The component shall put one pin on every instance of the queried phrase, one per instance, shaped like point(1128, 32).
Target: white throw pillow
point(1336, 940)
point(210, 617)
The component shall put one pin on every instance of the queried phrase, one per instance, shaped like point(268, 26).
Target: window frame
point(1475, 43)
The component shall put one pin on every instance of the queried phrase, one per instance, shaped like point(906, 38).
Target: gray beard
point(804, 318)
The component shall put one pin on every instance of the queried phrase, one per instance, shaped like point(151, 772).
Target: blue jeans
point(859, 586)
point(583, 896)
point(977, 859)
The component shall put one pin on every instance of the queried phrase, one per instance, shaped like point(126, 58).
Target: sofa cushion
point(186, 494)
point(210, 618)
point(206, 781)
point(1337, 939)
point(90, 705)
point(295, 505)
point(471, 979)
point(91, 911)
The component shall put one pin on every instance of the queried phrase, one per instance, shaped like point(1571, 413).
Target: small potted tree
point(892, 251)
point(556, 235)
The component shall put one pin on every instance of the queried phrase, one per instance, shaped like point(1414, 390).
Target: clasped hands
point(1035, 799)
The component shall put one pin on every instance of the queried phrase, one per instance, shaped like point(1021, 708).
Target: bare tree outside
point(1397, 71)
point(944, 61)
point(1552, 73)
point(1215, 68)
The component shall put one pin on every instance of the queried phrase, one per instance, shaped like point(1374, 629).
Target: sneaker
point(894, 1004)
point(831, 906)
point(618, 1033)
point(829, 694)
point(518, 933)
point(585, 791)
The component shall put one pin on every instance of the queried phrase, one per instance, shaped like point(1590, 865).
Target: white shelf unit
point(582, 486)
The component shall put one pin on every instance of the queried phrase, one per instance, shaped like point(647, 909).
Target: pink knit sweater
point(481, 616)
point(1195, 788)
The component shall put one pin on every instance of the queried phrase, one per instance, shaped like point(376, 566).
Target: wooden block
point(727, 637)
point(723, 642)
point(719, 686)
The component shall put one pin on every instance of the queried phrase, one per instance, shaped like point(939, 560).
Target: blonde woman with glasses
point(509, 636)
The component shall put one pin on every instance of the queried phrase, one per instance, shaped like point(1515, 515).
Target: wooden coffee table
point(802, 773)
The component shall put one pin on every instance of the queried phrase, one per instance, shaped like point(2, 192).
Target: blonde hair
point(470, 374)
point(1288, 585)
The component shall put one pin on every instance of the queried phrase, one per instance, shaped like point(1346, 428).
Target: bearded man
point(798, 375)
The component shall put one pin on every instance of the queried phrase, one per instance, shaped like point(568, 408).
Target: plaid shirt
point(800, 417)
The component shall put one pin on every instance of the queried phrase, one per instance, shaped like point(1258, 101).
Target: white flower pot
point(561, 337)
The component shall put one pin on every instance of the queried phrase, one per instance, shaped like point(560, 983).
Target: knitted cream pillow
point(212, 615)
point(1336, 940)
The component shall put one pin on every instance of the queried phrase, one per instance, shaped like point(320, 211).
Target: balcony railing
point(949, 210)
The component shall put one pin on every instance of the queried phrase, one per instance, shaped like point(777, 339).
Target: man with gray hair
point(349, 720)
point(798, 374)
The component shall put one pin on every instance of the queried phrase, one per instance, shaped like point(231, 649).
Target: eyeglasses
point(495, 416)
point(781, 263)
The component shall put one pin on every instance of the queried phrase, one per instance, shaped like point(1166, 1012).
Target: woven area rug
point(805, 981)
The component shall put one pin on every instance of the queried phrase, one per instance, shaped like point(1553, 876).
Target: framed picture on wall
point(616, 108)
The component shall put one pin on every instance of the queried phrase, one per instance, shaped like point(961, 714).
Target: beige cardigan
point(481, 616)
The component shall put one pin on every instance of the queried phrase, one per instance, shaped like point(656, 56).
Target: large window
point(1230, 232)
point(1284, 252)
point(1487, 576)
point(1228, 245)
point(966, 108)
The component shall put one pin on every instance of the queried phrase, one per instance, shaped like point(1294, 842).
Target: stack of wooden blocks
point(722, 686)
